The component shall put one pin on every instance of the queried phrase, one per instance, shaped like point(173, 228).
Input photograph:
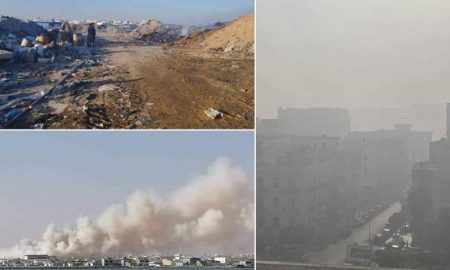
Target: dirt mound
point(237, 36)
point(154, 31)
point(10, 25)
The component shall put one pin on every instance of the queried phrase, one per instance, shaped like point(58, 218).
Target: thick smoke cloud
point(212, 214)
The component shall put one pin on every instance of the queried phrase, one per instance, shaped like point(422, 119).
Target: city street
point(336, 254)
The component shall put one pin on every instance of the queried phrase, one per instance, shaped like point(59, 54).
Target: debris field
point(149, 77)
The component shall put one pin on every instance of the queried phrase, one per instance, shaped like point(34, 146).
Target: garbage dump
point(43, 73)
point(146, 75)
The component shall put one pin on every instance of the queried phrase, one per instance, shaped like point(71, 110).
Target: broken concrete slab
point(26, 43)
point(6, 55)
point(45, 60)
point(16, 27)
point(214, 114)
point(57, 107)
point(109, 87)
point(26, 54)
point(39, 49)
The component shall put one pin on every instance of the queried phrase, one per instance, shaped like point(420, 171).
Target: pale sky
point(55, 177)
point(352, 53)
point(185, 12)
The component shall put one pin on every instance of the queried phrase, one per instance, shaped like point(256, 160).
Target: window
point(275, 183)
point(276, 222)
point(276, 202)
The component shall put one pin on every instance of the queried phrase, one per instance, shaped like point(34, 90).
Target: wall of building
point(299, 266)
point(307, 122)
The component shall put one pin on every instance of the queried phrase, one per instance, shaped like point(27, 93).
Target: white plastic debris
point(109, 87)
point(6, 55)
point(214, 114)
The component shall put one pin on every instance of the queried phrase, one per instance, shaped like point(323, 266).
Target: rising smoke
point(212, 214)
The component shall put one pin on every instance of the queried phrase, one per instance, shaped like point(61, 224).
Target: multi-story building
point(380, 162)
point(298, 184)
point(433, 176)
point(312, 181)
point(307, 122)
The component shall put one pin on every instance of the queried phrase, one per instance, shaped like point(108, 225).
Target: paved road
point(336, 254)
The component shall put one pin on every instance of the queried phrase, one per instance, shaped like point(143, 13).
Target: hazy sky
point(352, 53)
point(187, 12)
point(56, 177)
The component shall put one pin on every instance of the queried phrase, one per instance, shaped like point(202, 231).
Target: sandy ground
point(148, 87)
point(175, 87)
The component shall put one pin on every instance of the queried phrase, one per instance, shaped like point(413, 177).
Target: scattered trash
point(84, 108)
point(38, 126)
point(147, 122)
point(11, 114)
point(43, 39)
point(57, 107)
point(39, 50)
point(91, 97)
point(6, 55)
point(214, 114)
point(109, 87)
point(99, 89)
point(45, 60)
point(26, 43)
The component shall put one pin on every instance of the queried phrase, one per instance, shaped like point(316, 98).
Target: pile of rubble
point(38, 72)
point(27, 42)
point(153, 31)
point(19, 28)
point(68, 94)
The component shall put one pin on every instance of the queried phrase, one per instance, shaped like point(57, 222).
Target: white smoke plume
point(212, 214)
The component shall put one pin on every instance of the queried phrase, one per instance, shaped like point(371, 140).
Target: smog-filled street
point(336, 254)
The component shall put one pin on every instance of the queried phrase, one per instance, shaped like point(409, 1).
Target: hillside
point(237, 36)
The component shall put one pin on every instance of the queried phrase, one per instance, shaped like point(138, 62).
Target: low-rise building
point(166, 262)
point(221, 260)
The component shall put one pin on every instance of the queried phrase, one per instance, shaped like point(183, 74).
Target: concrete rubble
point(15, 28)
point(6, 55)
point(47, 80)
point(50, 80)
point(153, 31)
point(214, 114)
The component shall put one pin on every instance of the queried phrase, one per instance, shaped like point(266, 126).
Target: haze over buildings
point(121, 193)
point(352, 54)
